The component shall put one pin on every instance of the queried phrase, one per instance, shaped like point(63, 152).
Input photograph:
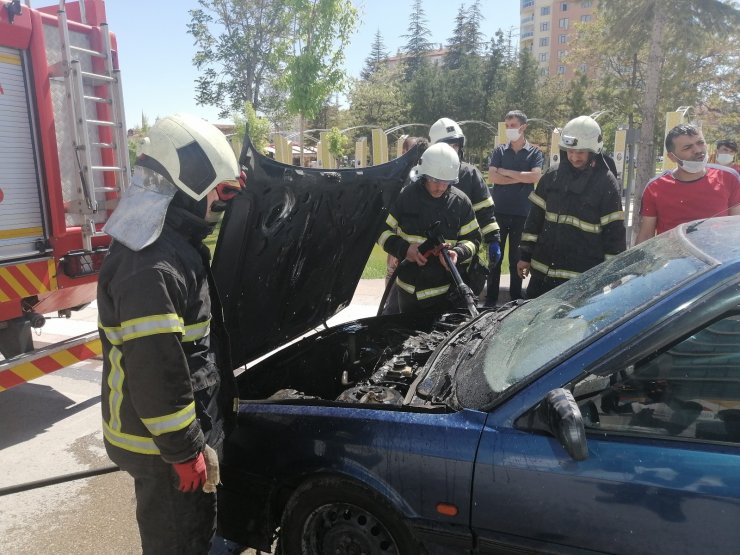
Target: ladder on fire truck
point(75, 78)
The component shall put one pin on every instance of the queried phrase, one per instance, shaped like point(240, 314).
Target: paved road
point(51, 426)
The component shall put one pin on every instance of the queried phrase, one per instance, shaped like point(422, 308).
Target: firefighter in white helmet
point(422, 279)
point(168, 387)
point(470, 181)
point(576, 220)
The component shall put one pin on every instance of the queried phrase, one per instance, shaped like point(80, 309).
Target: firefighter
point(470, 181)
point(576, 219)
point(423, 280)
point(167, 385)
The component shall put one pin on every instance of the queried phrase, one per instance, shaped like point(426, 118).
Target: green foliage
point(374, 61)
point(656, 56)
point(522, 84)
point(240, 48)
point(337, 143)
point(257, 127)
point(321, 31)
point(380, 100)
point(132, 148)
point(417, 41)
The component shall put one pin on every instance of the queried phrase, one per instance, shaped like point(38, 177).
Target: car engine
point(364, 362)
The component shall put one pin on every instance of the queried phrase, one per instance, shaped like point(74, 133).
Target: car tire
point(332, 515)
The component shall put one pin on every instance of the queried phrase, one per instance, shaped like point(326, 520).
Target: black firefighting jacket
point(575, 222)
point(471, 183)
point(161, 392)
point(409, 220)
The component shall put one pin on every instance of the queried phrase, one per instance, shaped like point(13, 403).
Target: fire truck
point(63, 165)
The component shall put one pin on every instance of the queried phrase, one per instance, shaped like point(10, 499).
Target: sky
point(156, 52)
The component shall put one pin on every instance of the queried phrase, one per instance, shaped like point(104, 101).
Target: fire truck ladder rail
point(85, 125)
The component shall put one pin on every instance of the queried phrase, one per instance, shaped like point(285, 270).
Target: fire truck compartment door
point(21, 214)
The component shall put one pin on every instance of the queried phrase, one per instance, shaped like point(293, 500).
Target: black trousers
point(170, 521)
point(540, 284)
point(511, 229)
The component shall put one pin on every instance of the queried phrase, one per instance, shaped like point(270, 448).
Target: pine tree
point(475, 39)
point(457, 44)
point(494, 78)
point(378, 54)
point(417, 41)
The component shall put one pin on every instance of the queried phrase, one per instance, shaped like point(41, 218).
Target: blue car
point(602, 417)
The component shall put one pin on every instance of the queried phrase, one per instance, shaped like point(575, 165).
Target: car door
point(663, 433)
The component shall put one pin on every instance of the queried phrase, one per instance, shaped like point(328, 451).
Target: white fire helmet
point(182, 152)
point(582, 133)
point(446, 130)
point(439, 161)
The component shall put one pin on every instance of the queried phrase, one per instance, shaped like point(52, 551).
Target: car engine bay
point(367, 362)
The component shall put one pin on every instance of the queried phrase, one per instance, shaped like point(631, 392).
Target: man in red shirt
point(690, 192)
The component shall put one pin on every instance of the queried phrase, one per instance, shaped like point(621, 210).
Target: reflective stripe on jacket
point(408, 222)
point(576, 221)
point(159, 372)
point(471, 183)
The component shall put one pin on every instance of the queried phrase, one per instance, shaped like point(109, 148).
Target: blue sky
point(156, 52)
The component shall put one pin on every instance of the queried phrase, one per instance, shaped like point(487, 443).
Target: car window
point(689, 390)
point(571, 315)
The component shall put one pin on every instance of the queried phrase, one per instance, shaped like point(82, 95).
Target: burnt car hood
point(292, 248)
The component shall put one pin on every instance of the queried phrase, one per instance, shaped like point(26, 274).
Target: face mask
point(513, 134)
point(693, 166)
point(725, 158)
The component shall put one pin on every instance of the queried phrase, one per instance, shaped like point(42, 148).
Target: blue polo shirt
point(514, 199)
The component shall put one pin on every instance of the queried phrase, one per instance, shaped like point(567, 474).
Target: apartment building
point(546, 28)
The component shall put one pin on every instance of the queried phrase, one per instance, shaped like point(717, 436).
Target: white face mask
point(513, 134)
point(725, 158)
point(693, 166)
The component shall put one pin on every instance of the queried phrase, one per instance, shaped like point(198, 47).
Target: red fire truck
point(63, 165)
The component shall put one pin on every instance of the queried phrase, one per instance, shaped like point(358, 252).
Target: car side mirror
point(559, 415)
point(566, 422)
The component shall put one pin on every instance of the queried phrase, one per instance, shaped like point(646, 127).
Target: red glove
point(192, 473)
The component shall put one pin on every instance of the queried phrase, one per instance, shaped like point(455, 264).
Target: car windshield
point(552, 325)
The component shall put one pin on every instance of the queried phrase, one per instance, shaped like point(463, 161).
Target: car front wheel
point(331, 516)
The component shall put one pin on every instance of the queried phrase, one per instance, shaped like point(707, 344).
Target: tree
point(244, 57)
point(664, 35)
point(378, 55)
point(457, 43)
point(337, 143)
point(258, 128)
point(321, 31)
point(475, 37)
point(417, 41)
point(577, 97)
point(380, 100)
point(522, 86)
point(495, 73)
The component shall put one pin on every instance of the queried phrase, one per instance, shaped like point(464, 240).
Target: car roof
point(718, 238)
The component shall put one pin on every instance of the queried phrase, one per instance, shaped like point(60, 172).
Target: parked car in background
point(602, 417)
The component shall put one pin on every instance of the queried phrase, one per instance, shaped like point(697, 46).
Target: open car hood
point(293, 247)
